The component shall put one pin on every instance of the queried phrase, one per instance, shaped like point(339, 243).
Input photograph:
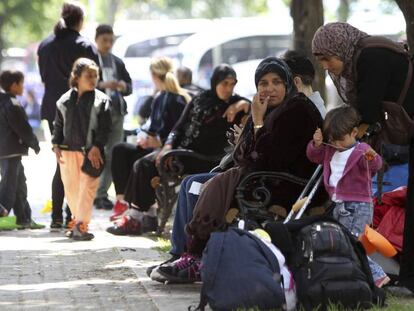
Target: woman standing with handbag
point(82, 125)
point(370, 73)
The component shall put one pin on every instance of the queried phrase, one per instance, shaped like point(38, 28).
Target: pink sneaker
point(119, 209)
point(186, 269)
point(382, 281)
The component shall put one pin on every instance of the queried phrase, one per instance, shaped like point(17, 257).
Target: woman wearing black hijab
point(202, 128)
point(275, 137)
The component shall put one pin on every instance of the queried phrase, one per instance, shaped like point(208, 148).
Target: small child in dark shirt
point(15, 139)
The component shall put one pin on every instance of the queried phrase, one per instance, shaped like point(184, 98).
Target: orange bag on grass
point(374, 241)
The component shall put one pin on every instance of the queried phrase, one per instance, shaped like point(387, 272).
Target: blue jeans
point(354, 216)
point(185, 205)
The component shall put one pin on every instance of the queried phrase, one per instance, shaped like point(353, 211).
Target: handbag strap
point(407, 83)
point(382, 42)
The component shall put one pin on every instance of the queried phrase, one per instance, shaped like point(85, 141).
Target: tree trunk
point(307, 18)
point(343, 10)
point(407, 8)
point(112, 9)
point(1, 40)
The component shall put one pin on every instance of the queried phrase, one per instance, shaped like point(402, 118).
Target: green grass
point(163, 245)
point(394, 303)
point(8, 223)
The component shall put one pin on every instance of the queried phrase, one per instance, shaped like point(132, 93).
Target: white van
point(234, 40)
point(139, 41)
point(142, 40)
point(197, 44)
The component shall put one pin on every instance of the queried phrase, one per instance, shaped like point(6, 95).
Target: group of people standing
point(84, 106)
point(282, 129)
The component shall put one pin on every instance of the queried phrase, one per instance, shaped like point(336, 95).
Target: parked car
point(151, 38)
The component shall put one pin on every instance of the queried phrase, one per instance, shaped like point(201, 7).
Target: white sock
point(152, 212)
point(136, 214)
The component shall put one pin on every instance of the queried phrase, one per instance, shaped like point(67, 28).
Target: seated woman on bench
point(303, 74)
point(274, 139)
point(202, 128)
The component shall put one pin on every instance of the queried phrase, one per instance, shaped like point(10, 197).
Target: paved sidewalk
point(46, 271)
point(40, 270)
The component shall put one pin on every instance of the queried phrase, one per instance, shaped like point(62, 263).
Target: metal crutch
point(315, 180)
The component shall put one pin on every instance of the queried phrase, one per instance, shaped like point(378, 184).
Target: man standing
point(116, 83)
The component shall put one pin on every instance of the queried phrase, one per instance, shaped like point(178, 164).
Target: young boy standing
point(15, 139)
point(116, 83)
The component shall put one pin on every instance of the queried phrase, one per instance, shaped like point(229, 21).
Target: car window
point(148, 47)
point(240, 50)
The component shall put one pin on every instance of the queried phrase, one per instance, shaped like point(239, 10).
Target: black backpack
point(329, 265)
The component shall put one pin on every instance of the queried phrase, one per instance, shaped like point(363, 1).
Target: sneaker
point(103, 203)
point(382, 281)
point(35, 225)
point(149, 224)
point(56, 226)
point(127, 226)
point(186, 269)
point(29, 225)
point(119, 209)
point(172, 259)
point(69, 226)
point(80, 232)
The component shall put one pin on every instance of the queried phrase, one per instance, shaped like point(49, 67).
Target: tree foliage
point(148, 9)
point(22, 22)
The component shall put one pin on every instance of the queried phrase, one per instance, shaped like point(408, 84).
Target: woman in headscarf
point(202, 128)
point(274, 139)
point(365, 82)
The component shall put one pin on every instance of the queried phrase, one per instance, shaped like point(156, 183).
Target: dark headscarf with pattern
point(275, 65)
point(207, 104)
point(221, 73)
point(243, 153)
point(339, 39)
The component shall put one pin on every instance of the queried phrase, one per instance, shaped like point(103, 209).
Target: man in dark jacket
point(16, 136)
point(57, 53)
point(116, 83)
point(185, 78)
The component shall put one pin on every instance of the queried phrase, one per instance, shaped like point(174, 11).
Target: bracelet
point(258, 126)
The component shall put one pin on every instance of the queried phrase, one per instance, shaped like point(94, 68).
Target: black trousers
point(124, 156)
point(13, 189)
point(139, 190)
point(407, 258)
point(58, 193)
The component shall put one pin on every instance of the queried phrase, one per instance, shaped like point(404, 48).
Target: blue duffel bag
point(239, 272)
